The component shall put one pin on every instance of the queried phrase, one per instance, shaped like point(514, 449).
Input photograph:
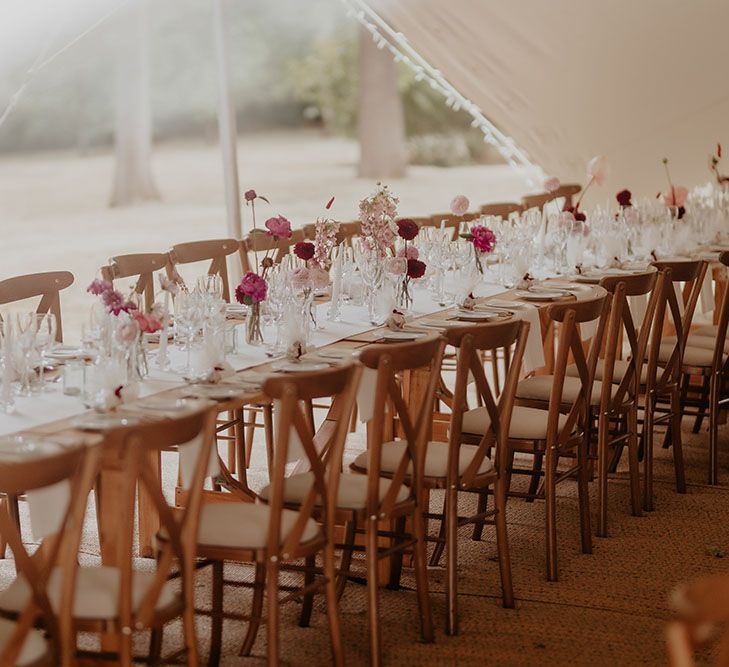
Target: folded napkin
point(534, 352)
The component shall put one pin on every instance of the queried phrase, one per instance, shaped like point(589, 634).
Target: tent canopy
point(635, 81)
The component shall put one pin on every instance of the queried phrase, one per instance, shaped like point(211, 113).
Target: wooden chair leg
point(676, 437)
point(155, 646)
point(373, 594)
point(536, 477)
point(188, 621)
point(701, 412)
point(483, 505)
point(308, 606)
point(440, 545)
point(216, 616)
point(272, 620)
point(125, 655)
point(648, 454)
point(421, 575)
point(335, 628)
point(3, 541)
point(502, 545)
point(252, 422)
point(268, 434)
point(347, 550)
point(633, 465)
point(451, 523)
point(602, 475)
point(714, 428)
point(550, 496)
point(583, 492)
point(396, 558)
point(259, 589)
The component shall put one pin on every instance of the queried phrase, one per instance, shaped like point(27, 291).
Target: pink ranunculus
point(598, 169)
point(676, 196)
point(301, 278)
point(397, 266)
point(319, 278)
point(459, 205)
point(251, 289)
point(483, 238)
point(551, 184)
point(409, 252)
point(279, 227)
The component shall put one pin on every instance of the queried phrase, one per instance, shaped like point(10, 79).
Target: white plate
point(439, 324)
point(401, 335)
point(65, 353)
point(498, 303)
point(104, 422)
point(476, 316)
point(218, 392)
point(541, 295)
point(299, 366)
point(166, 404)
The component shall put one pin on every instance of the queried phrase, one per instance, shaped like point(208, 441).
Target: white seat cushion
point(97, 592)
point(619, 371)
point(436, 458)
point(34, 646)
point(539, 388)
point(352, 493)
point(692, 356)
point(706, 342)
point(245, 525)
point(707, 330)
point(526, 423)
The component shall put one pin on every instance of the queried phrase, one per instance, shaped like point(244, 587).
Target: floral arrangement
point(723, 181)
point(325, 239)
point(113, 299)
point(377, 217)
point(406, 263)
point(597, 172)
point(676, 195)
point(483, 240)
point(252, 289)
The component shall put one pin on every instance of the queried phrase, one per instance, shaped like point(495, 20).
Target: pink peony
point(278, 227)
point(551, 184)
point(483, 238)
point(301, 278)
point(410, 252)
point(318, 278)
point(459, 205)
point(676, 196)
point(252, 289)
point(598, 169)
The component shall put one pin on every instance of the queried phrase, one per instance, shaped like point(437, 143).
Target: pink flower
point(598, 169)
point(252, 289)
point(410, 252)
point(318, 278)
point(551, 184)
point(147, 323)
point(396, 265)
point(127, 332)
point(329, 204)
point(98, 287)
point(483, 238)
point(250, 195)
point(300, 278)
point(278, 227)
point(459, 205)
point(676, 196)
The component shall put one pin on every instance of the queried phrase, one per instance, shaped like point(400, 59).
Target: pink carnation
point(483, 238)
point(459, 205)
point(252, 289)
point(279, 227)
point(409, 252)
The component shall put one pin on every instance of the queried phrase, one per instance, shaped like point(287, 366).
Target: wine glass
point(26, 331)
point(372, 271)
point(7, 402)
point(45, 338)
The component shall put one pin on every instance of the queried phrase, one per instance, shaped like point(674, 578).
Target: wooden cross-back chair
point(284, 529)
point(141, 266)
point(43, 593)
point(259, 242)
point(502, 209)
point(701, 617)
point(539, 200)
point(478, 468)
point(664, 363)
point(216, 251)
point(402, 464)
point(568, 191)
point(45, 285)
point(551, 417)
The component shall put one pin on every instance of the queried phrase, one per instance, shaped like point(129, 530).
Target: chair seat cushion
point(526, 423)
point(695, 340)
point(97, 592)
point(709, 330)
point(619, 371)
point(692, 356)
point(436, 458)
point(34, 646)
point(245, 525)
point(539, 388)
point(352, 493)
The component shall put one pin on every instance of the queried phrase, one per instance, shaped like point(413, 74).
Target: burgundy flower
point(483, 238)
point(304, 250)
point(250, 195)
point(252, 289)
point(624, 197)
point(329, 204)
point(680, 212)
point(407, 229)
point(579, 215)
point(416, 268)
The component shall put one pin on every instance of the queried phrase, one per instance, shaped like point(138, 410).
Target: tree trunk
point(383, 151)
point(133, 179)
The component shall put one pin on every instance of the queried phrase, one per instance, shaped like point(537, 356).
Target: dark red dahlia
point(624, 197)
point(304, 250)
point(416, 268)
point(407, 229)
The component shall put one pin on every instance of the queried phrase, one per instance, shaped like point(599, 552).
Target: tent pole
point(226, 125)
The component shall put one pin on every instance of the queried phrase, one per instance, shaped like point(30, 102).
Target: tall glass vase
point(254, 335)
point(403, 293)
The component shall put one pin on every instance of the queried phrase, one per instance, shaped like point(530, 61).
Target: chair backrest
point(45, 285)
point(675, 273)
point(259, 241)
point(622, 323)
point(142, 266)
point(567, 316)
point(196, 431)
point(471, 342)
point(722, 324)
point(27, 472)
point(568, 191)
point(502, 209)
point(538, 200)
point(323, 450)
point(415, 421)
point(215, 250)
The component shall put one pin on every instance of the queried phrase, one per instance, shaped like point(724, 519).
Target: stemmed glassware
point(7, 402)
point(45, 338)
point(26, 328)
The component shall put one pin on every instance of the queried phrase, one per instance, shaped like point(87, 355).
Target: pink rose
point(409, 252)
point(598, 169)
point(319, 278)
point(278, 227)
point(676, 196)
point(551, 184)
point(459, 205)
point(300, 278)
